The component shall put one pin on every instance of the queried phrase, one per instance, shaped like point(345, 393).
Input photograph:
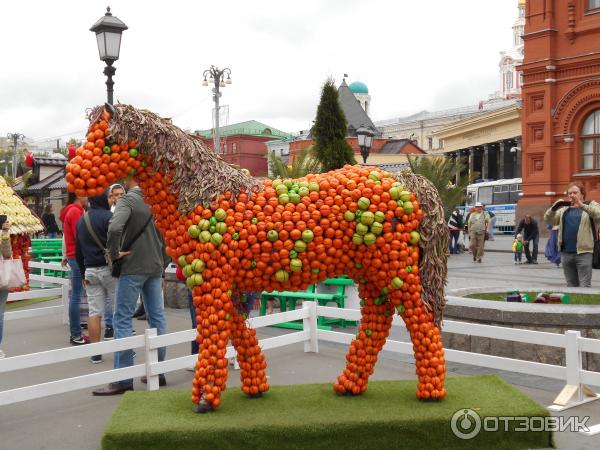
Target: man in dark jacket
point(531, 233)
point(99, 284)
point(142, 271)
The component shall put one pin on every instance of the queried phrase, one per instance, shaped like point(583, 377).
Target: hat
point(478, 204)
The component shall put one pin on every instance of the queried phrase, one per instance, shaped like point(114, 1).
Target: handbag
point(117, 264)
point(12, 274)
point(596, 252)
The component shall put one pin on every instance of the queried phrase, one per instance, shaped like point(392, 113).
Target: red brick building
point(561, 101)
point(243, 144)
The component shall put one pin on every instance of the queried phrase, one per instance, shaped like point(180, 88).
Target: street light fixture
point(216, 77)
point(365, 140)
point(108, 35)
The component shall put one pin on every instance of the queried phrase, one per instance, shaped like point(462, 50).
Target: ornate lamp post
point(365, 140)
point(217, 77)
point(108, 34)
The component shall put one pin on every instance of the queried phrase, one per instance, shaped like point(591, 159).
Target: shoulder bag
point(117, 264)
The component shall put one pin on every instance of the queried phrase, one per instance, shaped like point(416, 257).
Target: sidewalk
point(503, 243)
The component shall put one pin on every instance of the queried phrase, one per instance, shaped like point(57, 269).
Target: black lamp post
point(365, 140)
point(108, 34)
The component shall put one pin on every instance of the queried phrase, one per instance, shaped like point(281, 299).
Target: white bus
point(499, 197)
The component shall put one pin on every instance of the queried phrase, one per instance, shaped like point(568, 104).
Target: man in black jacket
point(531, 233)
point(99, 284)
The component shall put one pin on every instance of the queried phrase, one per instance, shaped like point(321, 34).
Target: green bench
point(289, 300)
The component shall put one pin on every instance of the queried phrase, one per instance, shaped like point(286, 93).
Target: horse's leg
point(250, 357)
point(427, 344)
point(211, 371)
point(374, 328)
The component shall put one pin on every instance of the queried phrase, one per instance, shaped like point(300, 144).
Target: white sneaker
point(2, 354)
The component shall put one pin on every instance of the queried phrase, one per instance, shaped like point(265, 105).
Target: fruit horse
point(232, 233)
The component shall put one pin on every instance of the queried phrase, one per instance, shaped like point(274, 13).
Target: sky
point(413, 55)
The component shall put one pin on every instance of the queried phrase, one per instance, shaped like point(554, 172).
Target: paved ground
point(76, 420)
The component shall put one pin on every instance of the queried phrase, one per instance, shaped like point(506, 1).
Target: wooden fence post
point(310, 325)
point(152, 383)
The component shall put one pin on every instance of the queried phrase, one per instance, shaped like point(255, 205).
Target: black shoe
point(109, 334)
point(162, 381)
point(203, 407)
point(112, 389)
point(96, 359)
point(139, 311)
point(77, 340)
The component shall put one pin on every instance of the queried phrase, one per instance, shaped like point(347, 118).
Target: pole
point(217, 94)
point(109, 71)
point(15, 140)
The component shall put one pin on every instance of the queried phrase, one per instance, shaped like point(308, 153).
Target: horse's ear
point(110, 108)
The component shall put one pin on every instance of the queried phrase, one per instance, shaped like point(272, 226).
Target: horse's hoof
point(203, 408)
point(259, 395)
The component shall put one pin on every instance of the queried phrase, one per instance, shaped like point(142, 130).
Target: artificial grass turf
point(312, 416)
point(576, 299)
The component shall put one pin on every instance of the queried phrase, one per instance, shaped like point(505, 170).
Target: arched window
point(590, 141)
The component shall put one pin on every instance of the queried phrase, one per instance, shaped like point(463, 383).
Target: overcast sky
point(413, 55)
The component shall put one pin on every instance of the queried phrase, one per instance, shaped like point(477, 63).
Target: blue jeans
point(194, 344)
point(75, 298)
point(108, 316)
point(129, 287)
point(453, 244)
point(3, 297)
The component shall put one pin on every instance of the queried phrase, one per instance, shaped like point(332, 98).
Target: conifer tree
point(329, 131)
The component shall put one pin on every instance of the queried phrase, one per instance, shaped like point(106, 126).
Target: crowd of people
point(572, 230)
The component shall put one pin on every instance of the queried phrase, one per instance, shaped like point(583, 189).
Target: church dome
point(358, 87)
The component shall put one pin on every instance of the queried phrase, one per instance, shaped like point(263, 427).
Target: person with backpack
point(90, 252)
point(455, 226)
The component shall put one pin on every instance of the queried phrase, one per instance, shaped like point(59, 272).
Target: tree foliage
point(303, 164)
point(329, 131)
point(441, 171)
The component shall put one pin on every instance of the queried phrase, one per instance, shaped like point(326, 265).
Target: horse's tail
point(433, 243)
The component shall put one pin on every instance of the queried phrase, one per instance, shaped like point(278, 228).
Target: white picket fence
point(59, 287)
point(571, 342)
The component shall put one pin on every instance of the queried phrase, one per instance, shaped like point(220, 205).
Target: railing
point(60, 288)
point(571, 342)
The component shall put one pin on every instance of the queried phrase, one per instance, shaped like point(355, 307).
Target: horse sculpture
point(232, 234)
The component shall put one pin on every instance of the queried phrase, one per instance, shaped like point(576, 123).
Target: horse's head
point(123, 142)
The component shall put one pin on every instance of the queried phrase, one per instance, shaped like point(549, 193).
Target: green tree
point(329, 131)
point(441, 171)
point(303, 164)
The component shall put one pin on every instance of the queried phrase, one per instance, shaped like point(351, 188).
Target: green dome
point(358, 87)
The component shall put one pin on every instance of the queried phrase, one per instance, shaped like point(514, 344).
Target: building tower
point(511, 79)
point(361, 92)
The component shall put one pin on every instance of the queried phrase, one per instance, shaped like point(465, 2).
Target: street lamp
point(108, 35)
point(216, 77)
point(15, 138)
point(365, 140)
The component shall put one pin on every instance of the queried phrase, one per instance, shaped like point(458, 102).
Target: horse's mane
point(199, 175)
